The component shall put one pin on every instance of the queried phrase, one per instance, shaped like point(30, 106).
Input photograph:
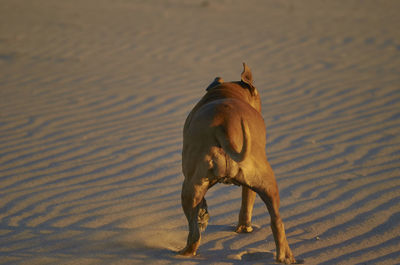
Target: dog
point(224, 140)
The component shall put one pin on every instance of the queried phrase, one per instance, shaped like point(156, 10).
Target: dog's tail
point(225, 143)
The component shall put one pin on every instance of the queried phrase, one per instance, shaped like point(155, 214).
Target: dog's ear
point(217, 81)
point(247, 78)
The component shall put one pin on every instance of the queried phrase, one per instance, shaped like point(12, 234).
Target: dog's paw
point(203, 226)
point(244, 229)
point(202, 219)
point(187, 252)
point(288, 258)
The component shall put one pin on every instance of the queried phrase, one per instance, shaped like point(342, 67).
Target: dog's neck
point(237, 90)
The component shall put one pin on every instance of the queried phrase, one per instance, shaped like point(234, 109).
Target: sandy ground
point(94, 94)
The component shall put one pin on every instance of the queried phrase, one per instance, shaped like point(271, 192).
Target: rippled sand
point(93, 96)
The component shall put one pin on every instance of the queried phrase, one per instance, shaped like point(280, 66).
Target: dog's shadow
point(253, 254)
point(230, 256)
point(218, 249)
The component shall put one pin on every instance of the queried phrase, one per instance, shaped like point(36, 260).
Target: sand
point(94, 94)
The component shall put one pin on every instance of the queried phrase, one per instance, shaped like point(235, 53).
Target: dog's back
point(221, 130)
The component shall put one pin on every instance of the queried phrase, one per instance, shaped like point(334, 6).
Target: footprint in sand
point(253, 255)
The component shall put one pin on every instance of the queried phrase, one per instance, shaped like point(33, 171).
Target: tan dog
point(224, 141)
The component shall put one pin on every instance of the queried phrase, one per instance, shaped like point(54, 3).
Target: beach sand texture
point(94, 94)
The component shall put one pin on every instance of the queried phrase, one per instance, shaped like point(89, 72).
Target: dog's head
point(244, 89)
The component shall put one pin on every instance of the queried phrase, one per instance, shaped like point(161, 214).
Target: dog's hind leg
point(248, 197)
point(266, 187)
point(203, 216)
point(270, 196)
point(192, 200)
